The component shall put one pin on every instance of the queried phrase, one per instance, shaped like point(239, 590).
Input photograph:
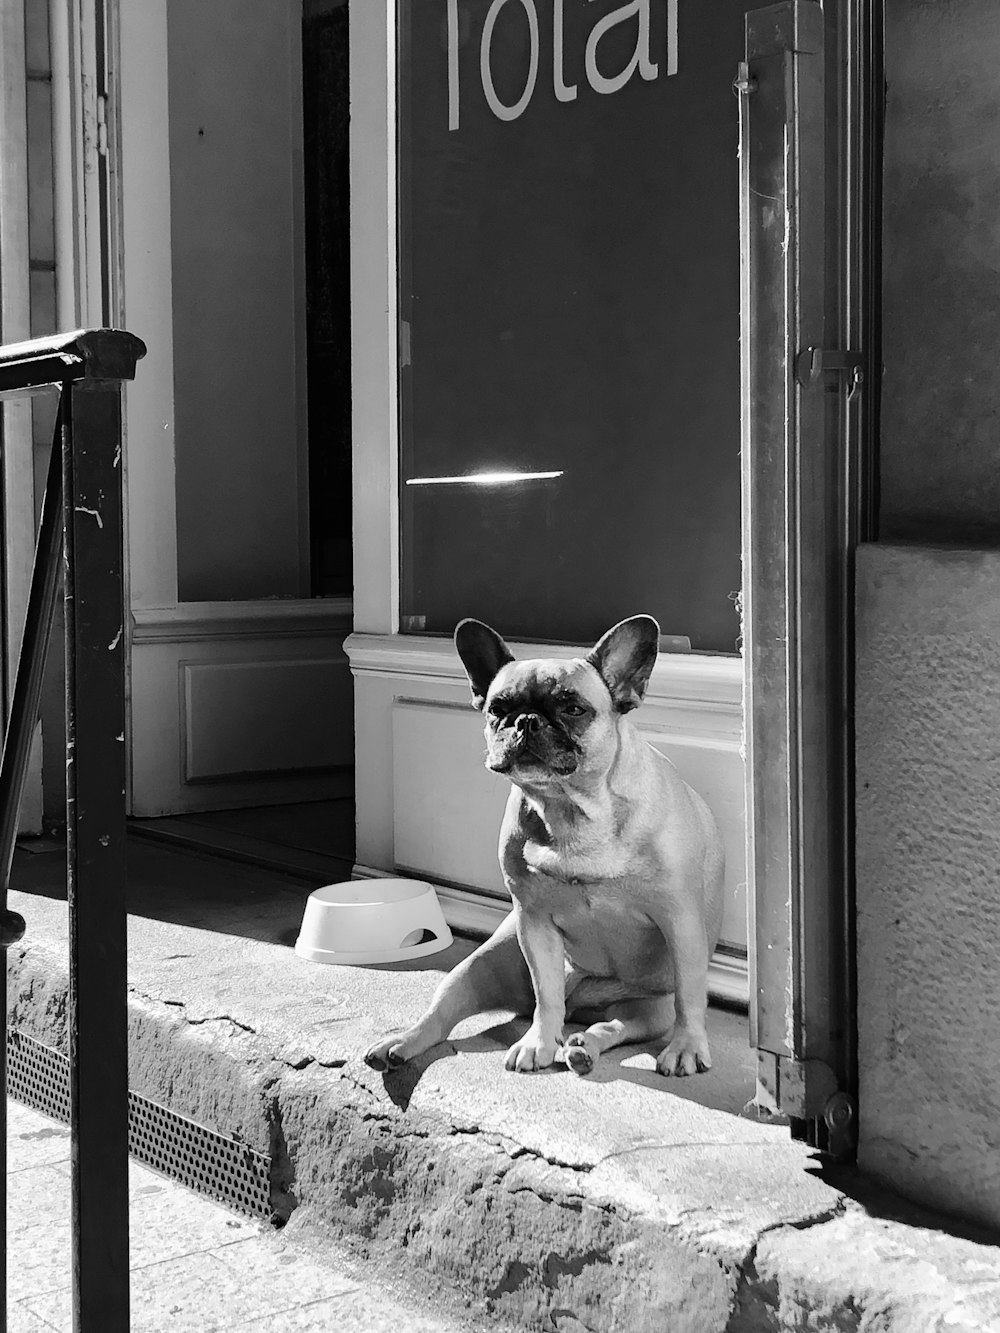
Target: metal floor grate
point(211, 1163)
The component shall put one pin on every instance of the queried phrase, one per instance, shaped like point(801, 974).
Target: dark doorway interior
point(326, 115)
point(311, 841)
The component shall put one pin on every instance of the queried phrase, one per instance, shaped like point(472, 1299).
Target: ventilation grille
point(38, 1076)
point(204, 1160)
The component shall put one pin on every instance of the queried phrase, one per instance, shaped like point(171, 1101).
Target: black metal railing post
point(95, 838)
point(82, 519)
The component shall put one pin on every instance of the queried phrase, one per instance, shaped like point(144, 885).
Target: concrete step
point(619, 1202)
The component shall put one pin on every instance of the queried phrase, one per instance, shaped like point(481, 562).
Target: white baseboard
point(475, 914)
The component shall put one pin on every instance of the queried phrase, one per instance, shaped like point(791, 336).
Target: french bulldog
point(613, 863)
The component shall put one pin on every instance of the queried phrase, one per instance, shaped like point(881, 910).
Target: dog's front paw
point(392, 1050)
point(581, 1057)
point(687, 1053)
point(533, 1052)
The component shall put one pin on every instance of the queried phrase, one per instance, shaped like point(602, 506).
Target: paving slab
point(194, 1265)
point(622, 1201)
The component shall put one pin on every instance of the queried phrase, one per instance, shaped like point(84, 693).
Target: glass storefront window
point(569, 298)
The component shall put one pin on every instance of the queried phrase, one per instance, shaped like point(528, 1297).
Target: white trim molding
point(374, 376)
point(146, 271)
point(191, 622)
point(695, 680)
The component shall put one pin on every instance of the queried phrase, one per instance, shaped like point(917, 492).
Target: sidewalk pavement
point(195, 1266)
point(612, 1204)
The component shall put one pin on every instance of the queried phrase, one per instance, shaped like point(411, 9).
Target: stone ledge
point(549, 1202)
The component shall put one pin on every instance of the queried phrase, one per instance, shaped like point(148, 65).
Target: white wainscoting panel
point(715, 770)
point(427, 806)
point(264, 718)
point(238, 704)
point(446, 806)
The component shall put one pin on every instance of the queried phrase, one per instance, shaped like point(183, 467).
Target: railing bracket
point(744, 84)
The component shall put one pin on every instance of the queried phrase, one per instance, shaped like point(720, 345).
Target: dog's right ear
point(483, 653)
point(625, 657)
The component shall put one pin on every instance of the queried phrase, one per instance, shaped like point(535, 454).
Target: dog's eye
point(496, 709)
point(573, 710)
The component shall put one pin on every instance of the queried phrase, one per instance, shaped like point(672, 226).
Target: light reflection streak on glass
point(483, 479)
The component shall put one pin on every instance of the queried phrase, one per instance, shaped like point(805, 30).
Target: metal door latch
point(814, 362)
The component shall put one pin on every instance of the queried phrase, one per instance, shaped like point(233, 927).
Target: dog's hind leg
point(495, 976)
point(627, 1020)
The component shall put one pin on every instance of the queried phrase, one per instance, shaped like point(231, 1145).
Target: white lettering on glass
point(564, 92)
point(500, 109)
point(640, 61)
point(453, 64)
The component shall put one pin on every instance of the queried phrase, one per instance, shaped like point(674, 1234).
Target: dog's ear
point(483, 653)
point(624, 657)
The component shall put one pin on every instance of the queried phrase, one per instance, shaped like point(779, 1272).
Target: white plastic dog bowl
point(372, 921)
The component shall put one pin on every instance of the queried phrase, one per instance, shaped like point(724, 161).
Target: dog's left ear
point(624, 657)
point(483, 653)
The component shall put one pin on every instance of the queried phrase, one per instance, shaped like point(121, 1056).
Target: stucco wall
point(928, 811)
point(928, 643)
point(940, 478)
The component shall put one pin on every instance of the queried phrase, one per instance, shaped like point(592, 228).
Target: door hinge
point(813, 363)
point(841, 1120)
point(807, 1092)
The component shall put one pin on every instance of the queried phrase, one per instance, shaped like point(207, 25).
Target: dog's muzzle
point(526, 740)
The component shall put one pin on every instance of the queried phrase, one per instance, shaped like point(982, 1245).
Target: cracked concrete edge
point(853, 1272)
point(214, 1072)
point(521, 1235)
point(536, 1242)
point(529, 1241)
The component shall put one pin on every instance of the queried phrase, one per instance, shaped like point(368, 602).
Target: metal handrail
point(80, 537)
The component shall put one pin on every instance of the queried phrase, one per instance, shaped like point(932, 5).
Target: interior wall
point(928, 632)
point(238, 298)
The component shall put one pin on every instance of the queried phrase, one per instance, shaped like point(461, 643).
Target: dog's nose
point(528, 723)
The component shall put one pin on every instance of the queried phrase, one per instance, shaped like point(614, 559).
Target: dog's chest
point(605, 924)
point(589, 860)
point(605, 929)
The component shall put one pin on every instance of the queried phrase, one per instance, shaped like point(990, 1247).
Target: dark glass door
point(569, 304)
